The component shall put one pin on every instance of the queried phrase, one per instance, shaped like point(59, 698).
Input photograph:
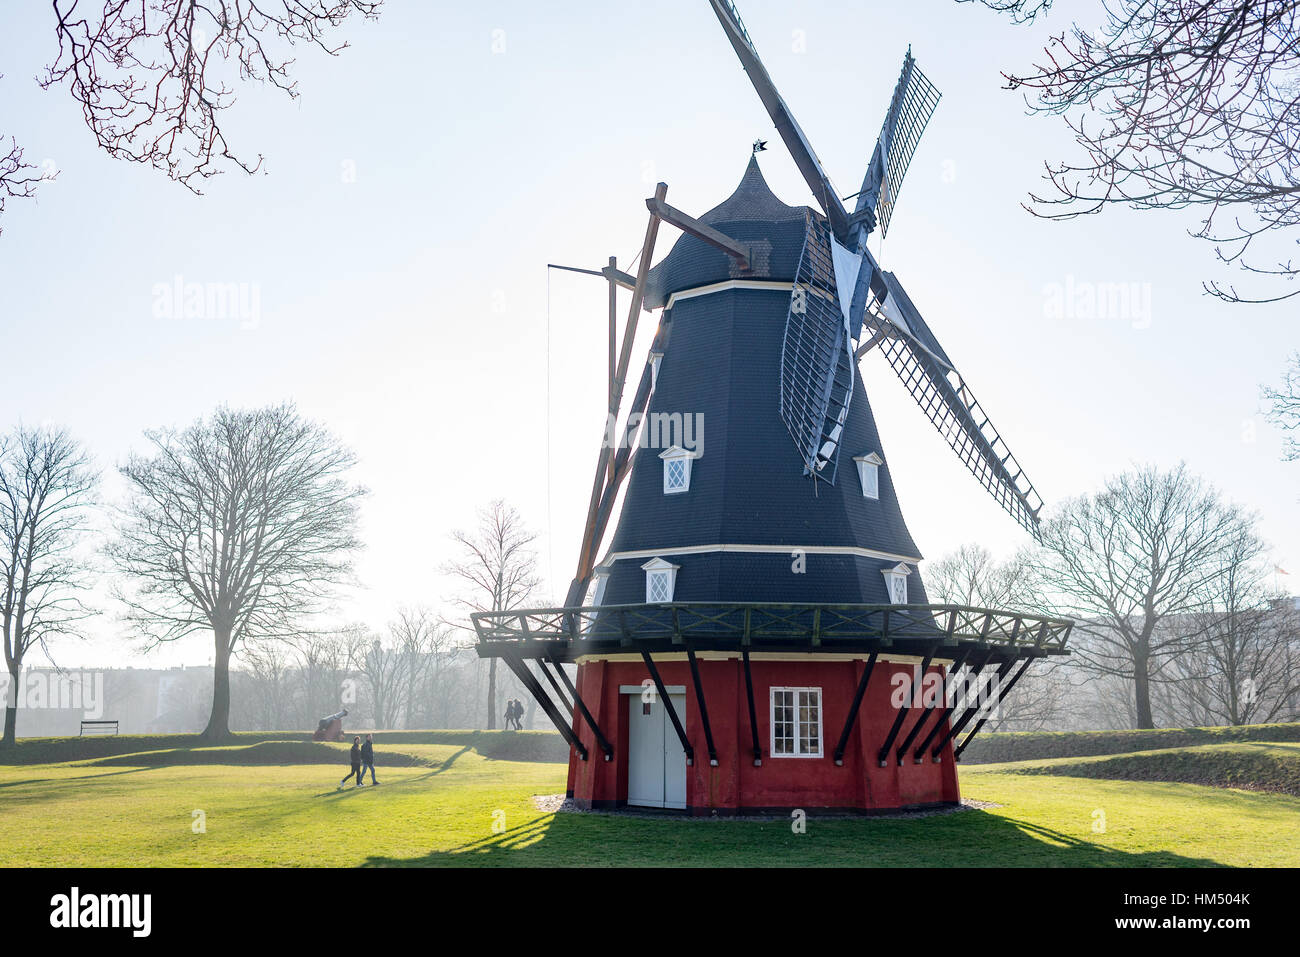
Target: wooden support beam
point(947, 712)
point(907, 705)
point(529, 681)
point(943, 695)
point(590, 538)
point(853, 710)
point(1002, 693)
point(704, 709)
point(688, 224)
point(668, 706)
point(555, 685)
point(970, 711)
point(586, 714)
point(753, 718)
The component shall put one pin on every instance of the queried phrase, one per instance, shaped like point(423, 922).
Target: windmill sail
point(800, 149)
point(943, 395)
point(914, 102)
point(817, 365)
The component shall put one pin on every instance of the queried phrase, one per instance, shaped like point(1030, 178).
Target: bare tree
point(499, 568)
point(323, 659)
point(240, 525)
point(1149, 546)
point(153, 78)
point(423, 642)
point(1284, 407)
point(269, 678)
point(1176, 104)
point(973, 576)
point(46, 484)
point(1242, 670)
point(384, 670)
point(18, 178)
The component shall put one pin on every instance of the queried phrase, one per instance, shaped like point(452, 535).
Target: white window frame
point(659, 567)
point(602, 580)
point(869, 474)
point(655, 359)
point(821, 737)
point(896, 575)
point(677, 454)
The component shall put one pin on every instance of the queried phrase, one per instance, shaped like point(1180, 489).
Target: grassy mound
point(1251, 767)
point(392, 748)
point(1038, 745)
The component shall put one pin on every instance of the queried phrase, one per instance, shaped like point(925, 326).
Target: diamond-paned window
point(660, 580)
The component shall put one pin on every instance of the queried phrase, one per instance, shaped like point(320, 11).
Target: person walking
point(356, 764)
point(367, 760)
point(510, 714)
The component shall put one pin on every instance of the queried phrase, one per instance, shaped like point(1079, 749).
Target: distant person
point(510, 715)
point(367, 760)
point(356, 764)
point(517, 712)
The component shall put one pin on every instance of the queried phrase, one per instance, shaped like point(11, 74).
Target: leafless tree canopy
point(18, 179)
point(46, 484)
point(1149, 546)
point(154, 78)
point(1243, 666)
point(240, 524)
point(498, 566)
point(973, 576)
point(1175, 104)
point(1284, 407)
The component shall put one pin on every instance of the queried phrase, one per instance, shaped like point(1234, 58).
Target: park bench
point(98, 727)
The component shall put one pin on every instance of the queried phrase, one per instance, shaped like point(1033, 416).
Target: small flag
point(1280, 570)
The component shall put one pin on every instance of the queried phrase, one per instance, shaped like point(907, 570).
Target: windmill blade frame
point(913, 104)
point(817, 365)
point(796, 142)
point(949, 403)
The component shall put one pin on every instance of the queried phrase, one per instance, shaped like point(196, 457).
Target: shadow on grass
point(969, 839)
point(403, 782)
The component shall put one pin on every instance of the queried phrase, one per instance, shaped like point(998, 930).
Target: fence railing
point(756, 622)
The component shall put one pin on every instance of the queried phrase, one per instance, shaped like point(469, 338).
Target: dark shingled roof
point(722, 361)
point(752, 214)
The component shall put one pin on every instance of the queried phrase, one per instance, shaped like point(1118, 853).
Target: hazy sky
point(394, 258)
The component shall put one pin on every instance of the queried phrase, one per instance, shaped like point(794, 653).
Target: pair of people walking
point(514, 711)
point(363, 759)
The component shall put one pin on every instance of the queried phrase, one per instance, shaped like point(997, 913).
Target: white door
point(656, 770)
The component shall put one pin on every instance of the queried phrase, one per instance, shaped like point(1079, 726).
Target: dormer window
point(869, 473)
point(677, 469)
point(601, 576)
point(896, 583)
point(655, 359)
point(660, 580)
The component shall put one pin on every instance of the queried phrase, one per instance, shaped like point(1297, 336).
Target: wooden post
point(590, 537)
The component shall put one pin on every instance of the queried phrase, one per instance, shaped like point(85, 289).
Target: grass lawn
point(441, 808)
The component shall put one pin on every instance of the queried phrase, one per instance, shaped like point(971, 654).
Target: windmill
point(836, 262)
point(770, 585)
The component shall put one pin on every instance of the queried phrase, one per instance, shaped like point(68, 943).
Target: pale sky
point(396, 249)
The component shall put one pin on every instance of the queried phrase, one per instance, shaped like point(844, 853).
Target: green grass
point(266, 803)
point(1255, 767)
point(1033, 745)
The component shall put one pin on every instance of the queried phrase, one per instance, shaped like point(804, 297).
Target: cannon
point(330, 728)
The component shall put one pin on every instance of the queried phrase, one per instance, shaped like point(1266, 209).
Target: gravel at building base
point(559, 804)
